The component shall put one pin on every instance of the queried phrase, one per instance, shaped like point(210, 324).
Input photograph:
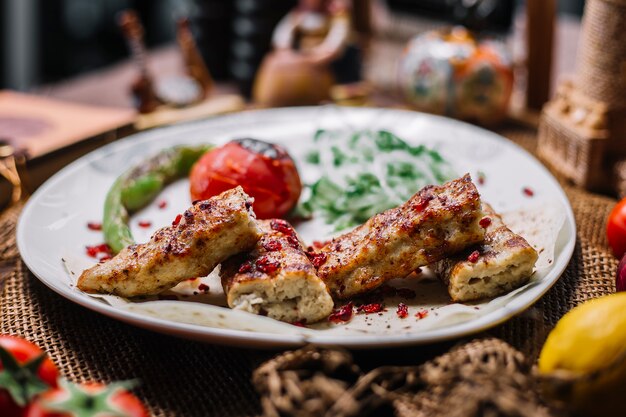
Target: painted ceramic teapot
point(452, 73)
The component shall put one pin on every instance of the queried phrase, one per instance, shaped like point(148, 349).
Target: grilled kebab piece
point(277, 278)
point(205, 235)
point(504, 261)
point(435, 223)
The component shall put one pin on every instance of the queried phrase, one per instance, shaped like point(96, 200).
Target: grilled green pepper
point(139, 186)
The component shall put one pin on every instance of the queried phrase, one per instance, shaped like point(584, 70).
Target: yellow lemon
point(584, 358)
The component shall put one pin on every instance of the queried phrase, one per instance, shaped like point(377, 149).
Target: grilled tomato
point(264, 170)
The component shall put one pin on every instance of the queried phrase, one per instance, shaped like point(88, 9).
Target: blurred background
point(77, 74)
point(46, 41)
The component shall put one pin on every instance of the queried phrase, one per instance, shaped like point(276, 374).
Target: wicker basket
point(582, 132)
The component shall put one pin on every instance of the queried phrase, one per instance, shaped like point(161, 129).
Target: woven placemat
point(177, 377)
point(185, 378)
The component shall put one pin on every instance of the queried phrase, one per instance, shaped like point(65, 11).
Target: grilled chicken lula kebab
point(503, 262)
point(265, 268)
point(436, 222)
point(276, 278)
point(204, 236)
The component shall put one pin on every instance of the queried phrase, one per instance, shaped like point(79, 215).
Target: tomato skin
point(265, 171)
point(24, 351)
point(124, 400)
point(616, 229)
point(8, 406)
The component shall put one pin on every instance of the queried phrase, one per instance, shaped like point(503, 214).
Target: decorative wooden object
point(142, 88)
point(194, 63)
point(582, 132)
point(540, 15)
point(10, 161)
point(218, 104)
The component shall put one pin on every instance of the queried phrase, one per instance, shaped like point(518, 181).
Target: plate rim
point(273, 340)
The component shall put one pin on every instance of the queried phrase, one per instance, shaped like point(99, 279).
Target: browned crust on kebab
point(436, 222)
point(276, 278)
point(208, 233)
point(505, 261)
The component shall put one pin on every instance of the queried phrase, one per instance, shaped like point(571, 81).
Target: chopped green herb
point(338, 156)
point(318, 134)
point(387, 142)
point(367, 172)
point(417, 151)
point(313, 157)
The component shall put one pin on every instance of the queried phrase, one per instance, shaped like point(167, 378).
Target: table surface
point(108, 86)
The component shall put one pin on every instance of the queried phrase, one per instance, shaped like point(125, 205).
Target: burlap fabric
point(600, 67)
point(184, 378)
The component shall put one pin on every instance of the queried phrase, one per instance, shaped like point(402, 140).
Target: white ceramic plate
point(53, 225)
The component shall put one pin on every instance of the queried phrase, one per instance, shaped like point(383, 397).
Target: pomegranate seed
point(162, 204)
point(103, 247)
point(203, 287)
point(293, 242)
point(94, 226)
point(473, 257)
point(317, 258)
point(245, 267)
point(402, 311)
point(97, 250)
point(272, 245)
point(481, 177)
point(423, 202)
point(105, 258)
point(343, 314)
point(421, 314)
point(282, 226)
point(484, 222)
point(144, 223)
point(528, 192)
point(319, 245)
point(177, 220)
point(370, 308)
point(300, 323)
point(264, 264)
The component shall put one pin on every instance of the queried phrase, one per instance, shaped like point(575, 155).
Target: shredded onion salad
point(366, 172)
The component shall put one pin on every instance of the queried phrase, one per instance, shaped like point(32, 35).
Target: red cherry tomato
point(23, 352)
point(616, 229)
point(264, 170)
point(86, 399)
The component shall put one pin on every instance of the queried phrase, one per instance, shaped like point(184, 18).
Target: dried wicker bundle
point(9, 255)
point(485, 377)
point(8, 247)
point(304, 383)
